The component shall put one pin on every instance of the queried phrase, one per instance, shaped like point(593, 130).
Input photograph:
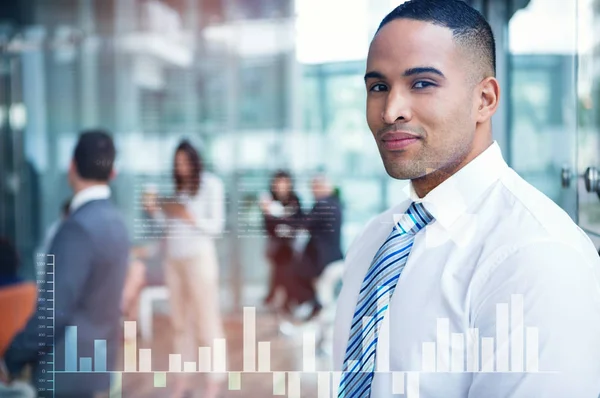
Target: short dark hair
point(468, 26)
point(94, 155)
point(9, 258)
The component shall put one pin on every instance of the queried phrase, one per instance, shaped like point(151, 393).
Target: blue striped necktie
point(379, 283)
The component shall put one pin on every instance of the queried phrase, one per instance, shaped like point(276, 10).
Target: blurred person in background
point(135, 281)
point(324, 225)
point(194, 217)
point(91, 250)
point(53, 229)
point(280, 205)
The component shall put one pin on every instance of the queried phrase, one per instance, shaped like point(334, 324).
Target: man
point(469, 238)
point(91, 251)
point(323, 224)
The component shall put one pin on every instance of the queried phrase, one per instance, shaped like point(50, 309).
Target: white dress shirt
point(495, 240)
point(95, 192)
point(207, 207)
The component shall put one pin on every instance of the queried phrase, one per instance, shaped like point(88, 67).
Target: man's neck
point(427, 183)
point(83, 185)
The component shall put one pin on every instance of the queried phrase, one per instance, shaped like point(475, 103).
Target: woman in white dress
point(195, 216)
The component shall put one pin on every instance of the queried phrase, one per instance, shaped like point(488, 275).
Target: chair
point(327, 288)
point(17, 305)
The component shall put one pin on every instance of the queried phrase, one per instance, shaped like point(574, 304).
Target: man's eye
point(378, 87)
point(422, 84)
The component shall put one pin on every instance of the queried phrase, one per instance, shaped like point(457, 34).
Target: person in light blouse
point(195, 217)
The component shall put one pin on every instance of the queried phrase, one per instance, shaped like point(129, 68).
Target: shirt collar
point(96, 192)
point(449, 200)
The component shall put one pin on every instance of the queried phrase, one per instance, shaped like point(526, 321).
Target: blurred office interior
point(260, 85)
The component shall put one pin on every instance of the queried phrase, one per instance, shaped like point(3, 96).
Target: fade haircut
point(94, 155)
point(469, 28)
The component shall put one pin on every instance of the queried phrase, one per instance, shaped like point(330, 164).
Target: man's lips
point(397, 140)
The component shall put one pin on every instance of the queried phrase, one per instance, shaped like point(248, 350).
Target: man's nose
point(397, 108)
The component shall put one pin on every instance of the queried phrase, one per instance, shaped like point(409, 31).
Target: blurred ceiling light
point(323, 37)
point(552, 27)
point(253, 38)
point(17, 116)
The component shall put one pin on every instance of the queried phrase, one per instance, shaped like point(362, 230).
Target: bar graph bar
point(100, 355)
point(85, 364)
point(279, 383)
point(220, 355)
point(336, 379)
point(308, 355)
point(457, 342)
point(249, 339)
point(189, 367)
point(382, 358)
point(174, 362)
point(473, 350)
point(71, 349)
point(130, 350)
point(398, 383)
point(264, 356)
point(517, 333)
point(412, 385)
point(160, 379)
point(293, 385)
point(487, 354)
point(428, 357)
point(235, 381)
point(502, 336)
point(443, 346)
point(532, 349)
point(204, 359)
point(116, 385)
point(323, 385)
point(145, 360)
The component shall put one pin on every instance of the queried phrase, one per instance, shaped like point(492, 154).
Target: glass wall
point(542, 97)
point(249, 84)
point(256, 85)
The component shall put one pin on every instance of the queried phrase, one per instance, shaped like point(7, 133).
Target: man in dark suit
point(91, 251)
point(324, 224)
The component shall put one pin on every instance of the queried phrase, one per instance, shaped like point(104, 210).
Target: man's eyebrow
point(421, 70)
point(374, 75)
point(409, 72)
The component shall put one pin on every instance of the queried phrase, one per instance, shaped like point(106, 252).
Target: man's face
point(421, 101)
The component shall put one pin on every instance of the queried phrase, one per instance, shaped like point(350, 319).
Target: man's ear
point(113, 174)
point(72, 167)
point(489, 99)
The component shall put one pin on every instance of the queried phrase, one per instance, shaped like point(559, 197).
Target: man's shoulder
point(532, 216)
point(98, 218)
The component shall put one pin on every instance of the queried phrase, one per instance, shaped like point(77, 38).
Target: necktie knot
point(415, 219)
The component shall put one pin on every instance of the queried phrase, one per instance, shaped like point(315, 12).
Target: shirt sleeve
point(560, 332)
point(208, 209)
